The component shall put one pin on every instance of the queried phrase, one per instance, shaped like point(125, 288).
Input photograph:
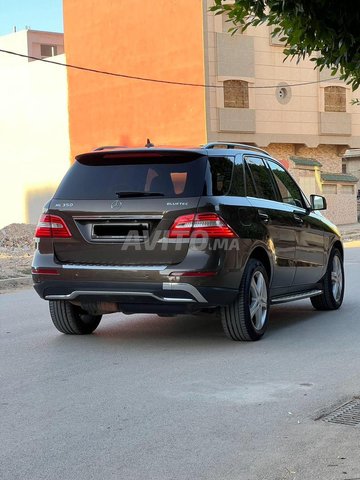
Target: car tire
point(246, 319)
point(71, 319)
point(333, 284)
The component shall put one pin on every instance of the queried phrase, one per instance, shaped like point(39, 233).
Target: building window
point(329, 188)
point(236, 94)
point(343, 167)
point(335, 99)
point(48, 50)
point(347, 189)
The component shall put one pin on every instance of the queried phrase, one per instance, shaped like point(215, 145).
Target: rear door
point(274, 218)
point(119, 206)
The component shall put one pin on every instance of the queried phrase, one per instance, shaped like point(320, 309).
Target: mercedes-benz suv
point(168, 231)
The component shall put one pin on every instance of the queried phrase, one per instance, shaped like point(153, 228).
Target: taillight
point(51, 226)
point(208, 225)
point(45, 271)
point(182, 226)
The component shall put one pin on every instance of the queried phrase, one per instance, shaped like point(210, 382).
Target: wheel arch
point(337, 244)
point(259, 253)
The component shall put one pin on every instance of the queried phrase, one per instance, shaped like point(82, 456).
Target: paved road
point(148, 398)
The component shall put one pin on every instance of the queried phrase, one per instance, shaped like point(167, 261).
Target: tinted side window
point(289, 191)
point(262, 178)
point(237, 184)
point(221, 173)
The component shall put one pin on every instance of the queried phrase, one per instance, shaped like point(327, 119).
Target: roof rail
point(108, 147)
point(234, 145)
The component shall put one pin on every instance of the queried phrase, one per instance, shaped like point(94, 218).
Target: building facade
point(241, 90)
point(301, 116)
point(34, 136)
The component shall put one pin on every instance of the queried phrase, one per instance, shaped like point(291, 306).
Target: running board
point(295, 296)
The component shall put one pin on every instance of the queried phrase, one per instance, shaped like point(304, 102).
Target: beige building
point(301, 116)
point(34, 136)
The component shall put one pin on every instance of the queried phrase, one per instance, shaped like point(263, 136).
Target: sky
point(36, 14)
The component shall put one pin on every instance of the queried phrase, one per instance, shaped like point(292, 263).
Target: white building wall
point(34, 136)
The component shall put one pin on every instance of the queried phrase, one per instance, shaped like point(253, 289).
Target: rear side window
point(221, 172)
point(262, 178)
point(111, 176)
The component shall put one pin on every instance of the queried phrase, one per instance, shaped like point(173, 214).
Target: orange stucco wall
point(160, 39)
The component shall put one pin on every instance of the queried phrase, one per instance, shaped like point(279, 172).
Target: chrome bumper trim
point(77, 293)
point(184, 287)
point(115, 267)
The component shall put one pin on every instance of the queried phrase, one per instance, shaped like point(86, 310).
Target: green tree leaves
point(328, 31)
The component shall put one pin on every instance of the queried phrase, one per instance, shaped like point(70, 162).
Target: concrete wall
point(330, 156)
point(34, 139)
point(341, 207)
point(161, 40)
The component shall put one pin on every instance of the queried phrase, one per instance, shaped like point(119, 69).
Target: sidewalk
point(350, 234)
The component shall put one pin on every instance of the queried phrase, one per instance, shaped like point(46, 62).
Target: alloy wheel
point(258, 304)
point(336, 278)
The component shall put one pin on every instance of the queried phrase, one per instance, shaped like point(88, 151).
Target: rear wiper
point(139, 194)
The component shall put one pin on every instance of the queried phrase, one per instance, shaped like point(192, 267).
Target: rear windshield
point(112, 176)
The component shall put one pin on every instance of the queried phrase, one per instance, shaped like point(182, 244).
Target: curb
point(352, 244)
point(9, 283)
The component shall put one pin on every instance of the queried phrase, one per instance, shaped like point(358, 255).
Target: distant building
point(351, 166)
point(34, 131)
point(308, 126)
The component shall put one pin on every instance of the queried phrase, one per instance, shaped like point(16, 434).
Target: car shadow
point(191, 329)
point(155, 327)
point(287, 315)
point(151, 331)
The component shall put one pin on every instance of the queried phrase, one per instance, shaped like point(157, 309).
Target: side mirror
point(318, 202)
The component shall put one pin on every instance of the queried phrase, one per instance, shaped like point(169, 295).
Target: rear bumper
point(139, 297)
point(135, 289)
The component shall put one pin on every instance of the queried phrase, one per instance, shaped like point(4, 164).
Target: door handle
point(264, 217)
point(298, 219)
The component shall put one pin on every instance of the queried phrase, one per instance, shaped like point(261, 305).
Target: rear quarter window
point(221, 173)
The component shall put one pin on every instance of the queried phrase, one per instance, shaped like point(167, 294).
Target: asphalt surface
point(149, 398)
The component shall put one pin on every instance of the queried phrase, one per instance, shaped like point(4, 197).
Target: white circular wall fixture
point(283, 93)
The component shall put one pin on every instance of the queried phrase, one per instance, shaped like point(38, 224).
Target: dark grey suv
point(168, 231)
